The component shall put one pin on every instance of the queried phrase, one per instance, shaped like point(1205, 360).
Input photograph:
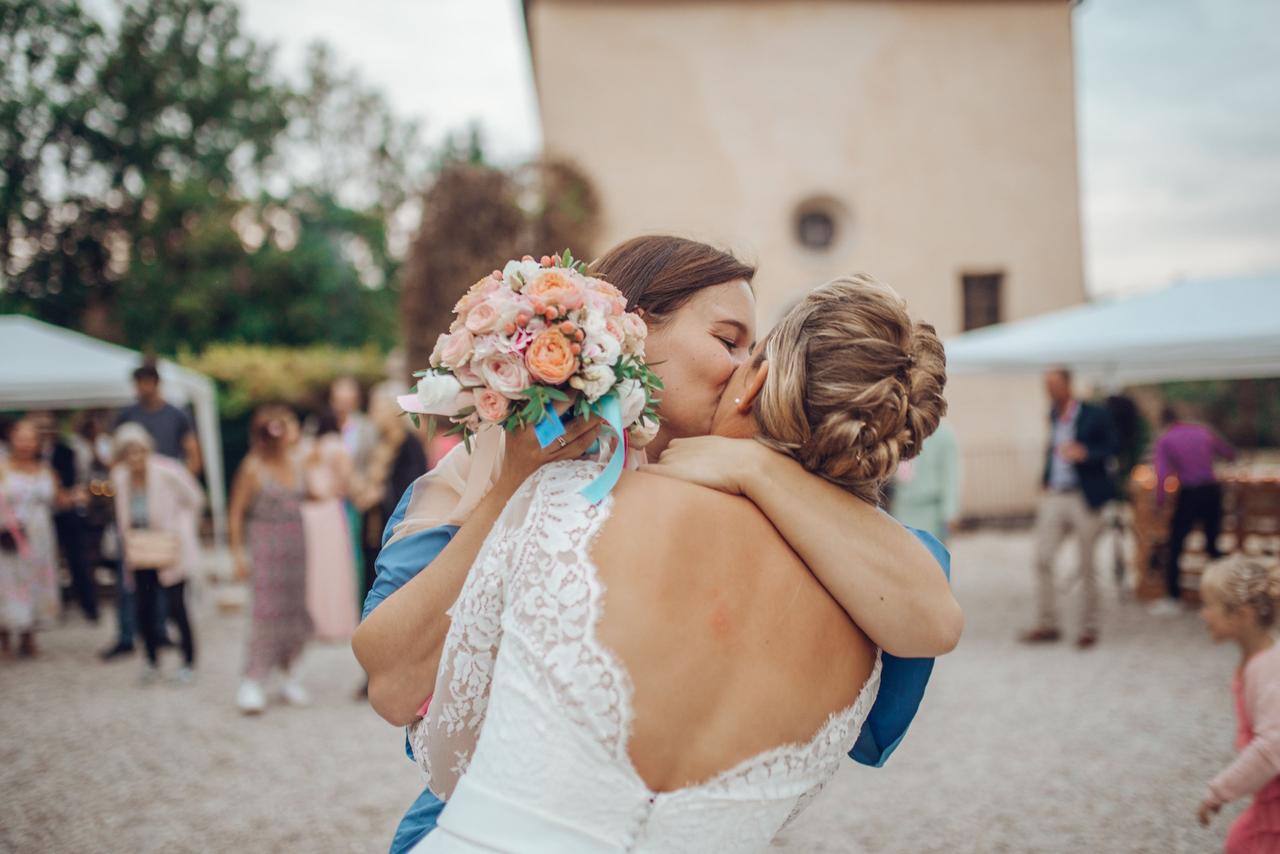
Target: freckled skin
point(721, 621)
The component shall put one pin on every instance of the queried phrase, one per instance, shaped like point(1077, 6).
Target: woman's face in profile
point(729, 420)
point(696, 352)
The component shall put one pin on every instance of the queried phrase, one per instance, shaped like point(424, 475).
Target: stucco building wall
point(939, 136)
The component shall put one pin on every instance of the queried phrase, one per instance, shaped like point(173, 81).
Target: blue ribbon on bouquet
point(609, 408)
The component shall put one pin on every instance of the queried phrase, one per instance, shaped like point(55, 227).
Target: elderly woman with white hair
point(157, 510)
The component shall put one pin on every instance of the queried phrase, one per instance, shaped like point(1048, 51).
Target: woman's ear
point(754, 385)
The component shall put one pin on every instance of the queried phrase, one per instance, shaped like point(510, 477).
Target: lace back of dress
point(532, 576)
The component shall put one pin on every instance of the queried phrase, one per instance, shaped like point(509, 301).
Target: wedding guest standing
point(1077, 485)
point(1187, 451)
point(396, 462)
point(1241, 601)
point(331, 567)
point(169, 426)
point(28, 581)
point(359, 434)
point(158, 506)
point(266, 517)
point(926, 490)
point(69, 522)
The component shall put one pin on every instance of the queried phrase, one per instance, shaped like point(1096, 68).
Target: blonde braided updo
point(1250, 581)
point(854, 386)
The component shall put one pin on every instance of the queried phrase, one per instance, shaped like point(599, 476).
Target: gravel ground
point(1015, 750)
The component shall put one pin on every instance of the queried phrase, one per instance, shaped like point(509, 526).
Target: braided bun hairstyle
point(854, 386)
point(1241, 581)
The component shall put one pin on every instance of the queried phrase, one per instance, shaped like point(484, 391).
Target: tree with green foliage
point(162, 188)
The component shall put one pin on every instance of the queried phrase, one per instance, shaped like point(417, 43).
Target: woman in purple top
point(1187, 451)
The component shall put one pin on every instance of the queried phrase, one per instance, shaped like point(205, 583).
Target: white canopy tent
point(48, 367)
point(1206, 329)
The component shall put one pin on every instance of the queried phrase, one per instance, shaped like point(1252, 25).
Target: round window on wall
point(816, 224)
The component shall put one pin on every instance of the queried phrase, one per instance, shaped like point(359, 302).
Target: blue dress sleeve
point(399, 562)
point(396, 565)
point(902, 684)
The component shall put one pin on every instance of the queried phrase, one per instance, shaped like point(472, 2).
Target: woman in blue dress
point(699, 306)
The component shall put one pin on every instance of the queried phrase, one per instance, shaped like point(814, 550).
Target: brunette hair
point(658, 273)
point(270, 426)
point(854, 386)
point(1246, 581)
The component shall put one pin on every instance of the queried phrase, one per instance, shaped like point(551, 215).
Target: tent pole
point(211, 450)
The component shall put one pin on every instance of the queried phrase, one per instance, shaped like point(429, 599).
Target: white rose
point(631, 396)
point(594, 381)
point(527, 270)
point(595, 325)
point(642, 433)
point(436, 394)
point(605, 350)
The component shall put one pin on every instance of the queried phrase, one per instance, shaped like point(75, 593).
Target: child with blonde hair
point(1241, 598)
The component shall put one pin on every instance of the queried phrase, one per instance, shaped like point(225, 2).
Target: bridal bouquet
point(533, 334)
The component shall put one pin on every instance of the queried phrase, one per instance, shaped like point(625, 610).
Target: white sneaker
point(250, 699)
point(1165, 608)
point(150, 675)
point(294, 694)
point(183, 676)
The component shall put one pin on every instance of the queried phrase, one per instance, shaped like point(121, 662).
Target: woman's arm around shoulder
point(884, 578)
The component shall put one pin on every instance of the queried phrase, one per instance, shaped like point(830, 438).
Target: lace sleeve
point(445, 738)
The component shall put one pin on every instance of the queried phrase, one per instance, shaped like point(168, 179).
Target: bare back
point(732, 646)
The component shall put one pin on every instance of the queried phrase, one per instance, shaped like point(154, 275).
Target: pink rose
point(505, 373)
point(467, 376)
point(452, 350)
point(477, 294)
point(491, 406)
point(634, 326)
point(483, 318)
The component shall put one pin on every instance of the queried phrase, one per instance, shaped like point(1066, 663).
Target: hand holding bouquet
point(533, 334)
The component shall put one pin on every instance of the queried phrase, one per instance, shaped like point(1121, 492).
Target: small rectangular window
point(982, 299)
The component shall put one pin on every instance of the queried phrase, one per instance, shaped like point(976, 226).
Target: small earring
point(737, 401)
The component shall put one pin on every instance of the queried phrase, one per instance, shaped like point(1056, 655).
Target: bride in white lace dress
point(605, 687)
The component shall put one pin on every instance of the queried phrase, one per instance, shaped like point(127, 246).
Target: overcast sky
point(1179, 104)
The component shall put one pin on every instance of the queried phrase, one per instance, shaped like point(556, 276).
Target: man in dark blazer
point(1077, 485)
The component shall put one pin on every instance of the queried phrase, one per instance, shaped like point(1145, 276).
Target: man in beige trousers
point(1077, 485)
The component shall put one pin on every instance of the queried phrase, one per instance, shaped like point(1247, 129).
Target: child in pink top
point(1241, 600)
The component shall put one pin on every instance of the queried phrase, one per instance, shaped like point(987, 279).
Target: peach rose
point(554, 287)
point(550, 357)
point(490, 405)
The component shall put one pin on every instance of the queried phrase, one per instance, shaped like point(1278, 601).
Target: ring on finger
point(561, 442)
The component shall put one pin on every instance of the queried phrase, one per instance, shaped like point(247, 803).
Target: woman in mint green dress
point(926, 491)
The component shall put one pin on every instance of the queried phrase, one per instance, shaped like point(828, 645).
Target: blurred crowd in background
point(100, 506)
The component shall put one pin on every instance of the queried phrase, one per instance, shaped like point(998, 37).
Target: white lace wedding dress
point(526, 734)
